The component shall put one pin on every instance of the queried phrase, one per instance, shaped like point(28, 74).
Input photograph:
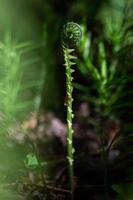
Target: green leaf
point(102, 60)
point(31, 161)
point(125, 191)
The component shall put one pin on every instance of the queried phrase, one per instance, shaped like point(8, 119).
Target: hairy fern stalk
point(70, 38)
point(69, 88)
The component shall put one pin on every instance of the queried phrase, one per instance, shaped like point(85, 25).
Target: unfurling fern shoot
point(71, 36)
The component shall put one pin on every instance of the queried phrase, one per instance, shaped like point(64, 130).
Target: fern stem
point(69, 89)
point(71, 36)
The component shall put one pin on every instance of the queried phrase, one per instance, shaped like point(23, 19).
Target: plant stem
point(69, 89)
point(70, 37)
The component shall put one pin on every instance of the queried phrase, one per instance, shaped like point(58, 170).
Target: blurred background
point(33, 91)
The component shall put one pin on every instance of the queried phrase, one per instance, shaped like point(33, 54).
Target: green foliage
point(117, 21)
point(125, 191)
point(15, 88)
point(102, 76)
point(105, 64)
point(109, 78)
point(19, 94)
point(7, 193)
point(108, 75)
point(31, 161)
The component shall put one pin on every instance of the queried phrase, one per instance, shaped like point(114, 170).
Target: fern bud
point(71, 34)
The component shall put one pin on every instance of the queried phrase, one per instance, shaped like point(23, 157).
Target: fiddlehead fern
point(71, 36)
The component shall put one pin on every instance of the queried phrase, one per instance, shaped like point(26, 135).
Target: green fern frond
point(71, 36)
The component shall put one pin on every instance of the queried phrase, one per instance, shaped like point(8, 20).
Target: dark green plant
point(110, 74)
point(71, 36)
point(124, 191)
